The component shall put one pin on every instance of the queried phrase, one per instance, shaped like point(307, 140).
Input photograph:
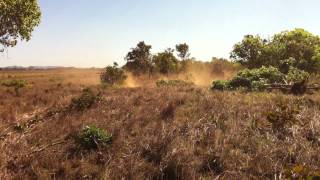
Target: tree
point(297, 48)
point(139, 59)
point(300, 46)
point(166, 62)
point(250, 51)
point(183, 51)
point(18, 18)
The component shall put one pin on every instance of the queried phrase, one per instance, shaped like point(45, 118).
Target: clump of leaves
point(113, 75)
point(92, 137)
point(296, 75)
point(16, 84)
point(163, 83)
point(86, 100)
point(254, 79)
point(220, 85)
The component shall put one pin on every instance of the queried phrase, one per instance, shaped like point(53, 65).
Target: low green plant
point(85, 101)
point(219, 85)
point(16, 84)
point(92, 137)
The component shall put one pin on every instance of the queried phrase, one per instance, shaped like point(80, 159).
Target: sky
point(95, 33)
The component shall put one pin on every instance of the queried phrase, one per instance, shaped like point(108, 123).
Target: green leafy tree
point(183, 51)
point(139, 59)
point(250, 51)
point(297, 48)
point(299, 45)
point(18, 18)
point(166, 62)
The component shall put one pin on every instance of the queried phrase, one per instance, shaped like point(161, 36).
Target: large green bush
point(258, 79)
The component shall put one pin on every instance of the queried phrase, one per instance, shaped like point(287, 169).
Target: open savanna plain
point(181, 131)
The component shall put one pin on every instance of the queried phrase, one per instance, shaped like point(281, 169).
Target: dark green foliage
point(18, 18)
point(92, 137)
point(166, 62)
point(297, 48)
point(296, 75)
point(255, 79)
point(139, 59)
point(85, 101)
point(16, 84)
point(267, 74)
point(220, 85)
point(250, 52)
point(183, 51)
point(113, 75)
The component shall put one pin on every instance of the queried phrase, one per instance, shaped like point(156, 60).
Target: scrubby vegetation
point(179, 132)
point(15, 84)
point(113, 75)
point(92, 137)
point(259, 79)
point(85, 101)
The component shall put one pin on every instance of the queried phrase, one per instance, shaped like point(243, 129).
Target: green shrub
point(113, 75)
point(296, 75)
point(269, 74)
point(238, 82)
point(92, 137)
point(254, 79)
point(85, 101)
point(16, 84)
point(219, 85)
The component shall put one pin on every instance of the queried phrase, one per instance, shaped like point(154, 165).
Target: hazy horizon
point(95, 33)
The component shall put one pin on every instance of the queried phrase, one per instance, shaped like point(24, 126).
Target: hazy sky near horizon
point(87, 33)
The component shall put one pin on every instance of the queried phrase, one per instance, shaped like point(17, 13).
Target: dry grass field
point(176, 132)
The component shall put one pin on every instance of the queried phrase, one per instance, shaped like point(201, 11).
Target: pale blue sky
point(86, 33)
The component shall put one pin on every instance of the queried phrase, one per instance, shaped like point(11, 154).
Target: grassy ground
point(179, 132)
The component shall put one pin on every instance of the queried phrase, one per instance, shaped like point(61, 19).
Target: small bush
point(92, 137)
point(113, 75)
point(16, 84)
point(283, 116)
point(219, 85)
point(85, 101)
